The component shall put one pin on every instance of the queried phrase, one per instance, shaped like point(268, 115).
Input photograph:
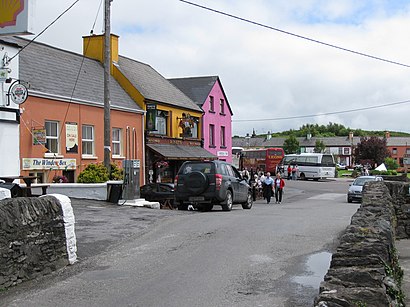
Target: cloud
point(266, 74)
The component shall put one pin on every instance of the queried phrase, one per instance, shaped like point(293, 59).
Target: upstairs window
point(222, 106)
point(223, 142)
point(394, 151)
point(116, 142)
point(212, 135)
point(52, 143)
point(161, 122)
point(88, 140)
point(211, 104)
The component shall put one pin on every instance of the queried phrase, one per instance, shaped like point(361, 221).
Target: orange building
point(62, 121)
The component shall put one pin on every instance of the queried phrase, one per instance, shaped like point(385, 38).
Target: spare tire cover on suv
point(196, 182)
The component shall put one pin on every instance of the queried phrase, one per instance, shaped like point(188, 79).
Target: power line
point(293, 34)
point(323, 114)
point(45, 29)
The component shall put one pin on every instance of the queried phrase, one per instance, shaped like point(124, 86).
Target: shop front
point(166, 155)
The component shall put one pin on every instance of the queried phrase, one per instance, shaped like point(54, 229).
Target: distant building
point(341, 147)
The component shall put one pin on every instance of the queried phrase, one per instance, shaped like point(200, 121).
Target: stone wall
point(32, 239)
point(364, 269)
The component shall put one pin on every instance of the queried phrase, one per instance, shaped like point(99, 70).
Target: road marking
point(328, 196)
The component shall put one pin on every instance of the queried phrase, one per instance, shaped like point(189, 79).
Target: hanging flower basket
point(162, 164)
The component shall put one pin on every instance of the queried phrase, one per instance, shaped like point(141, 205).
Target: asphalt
point(101, 225)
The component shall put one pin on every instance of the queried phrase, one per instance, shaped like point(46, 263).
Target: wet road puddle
point(316, 268)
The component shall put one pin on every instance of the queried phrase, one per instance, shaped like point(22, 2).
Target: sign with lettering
point(48, 164)
point(71, 137)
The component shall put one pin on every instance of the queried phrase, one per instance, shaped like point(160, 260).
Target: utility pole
point(107, 73)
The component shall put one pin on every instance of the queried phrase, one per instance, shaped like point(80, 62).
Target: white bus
point(311, 165)
point(236, 157)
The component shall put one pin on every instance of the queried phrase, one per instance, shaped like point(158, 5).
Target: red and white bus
point(264, 159)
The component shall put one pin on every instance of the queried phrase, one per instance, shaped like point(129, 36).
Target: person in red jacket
point(279, 184)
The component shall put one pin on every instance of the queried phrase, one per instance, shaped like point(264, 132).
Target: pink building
point(208, 93)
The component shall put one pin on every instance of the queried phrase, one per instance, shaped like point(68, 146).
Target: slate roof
point(153, 86)
point(53, 71)
point(198, 88)
point(339, 141)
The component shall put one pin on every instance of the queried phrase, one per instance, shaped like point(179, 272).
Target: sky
point(273, 81)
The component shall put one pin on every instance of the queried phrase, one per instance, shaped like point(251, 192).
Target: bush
point(388, 172)
point(391, 164)
point(93, 173)
point(98, 173)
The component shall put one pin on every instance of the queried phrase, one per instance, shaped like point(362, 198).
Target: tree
point(391, 163)
point(319, 146)
point(291, 145)
point(371, 150)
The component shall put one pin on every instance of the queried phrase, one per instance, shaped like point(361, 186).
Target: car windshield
point(362, 181)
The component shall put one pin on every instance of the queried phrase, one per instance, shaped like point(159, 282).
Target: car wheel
point(302, 176)
point(349, 200)
point(182, 206)
point(249, 202)
point(227, 206)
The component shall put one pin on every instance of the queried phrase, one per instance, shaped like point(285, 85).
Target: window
point(116, 141)
point(222, 106)
point(52, 136)
point(223, 144)
point(211, 104)
point(88, 140)
point(161, 122)
point(195, 127)
point(394, 151)
point(407, 151)
point(212, 135)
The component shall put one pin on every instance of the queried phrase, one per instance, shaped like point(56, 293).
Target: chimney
point(93, 47)
point(387, 134)
point(268, 136)
point(308, 136)
point(351, 135)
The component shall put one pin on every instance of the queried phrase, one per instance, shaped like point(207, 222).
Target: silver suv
point(204, 184)
point(355, 189)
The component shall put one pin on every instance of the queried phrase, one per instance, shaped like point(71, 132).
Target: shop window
point(88, 140)
point(116, 142)
point(222, 107)
point(39, 175)
point(211, 104)
point(69, 175)
point(212, 135)
point(52, 143)
point(195, 128)
point(223, 142)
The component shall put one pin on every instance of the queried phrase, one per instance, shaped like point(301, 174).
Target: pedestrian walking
point(294, 172)
point(268, 188)
point(289, 172)
point(254, 186)
point(279, 184)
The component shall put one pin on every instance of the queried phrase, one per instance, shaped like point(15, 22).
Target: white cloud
point(266, 74)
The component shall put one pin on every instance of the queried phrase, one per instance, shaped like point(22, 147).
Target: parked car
point(355, 189)
point(204, 184)
point(160, 192)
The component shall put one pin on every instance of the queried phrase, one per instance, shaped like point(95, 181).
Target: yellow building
point(172, 121)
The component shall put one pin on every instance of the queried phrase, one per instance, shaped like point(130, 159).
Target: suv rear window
point(206, 168)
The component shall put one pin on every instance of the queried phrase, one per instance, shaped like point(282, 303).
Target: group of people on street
point(270, 187)
point(293, 172)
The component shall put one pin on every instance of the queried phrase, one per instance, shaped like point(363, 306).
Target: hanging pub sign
point(186, 123)
point(18, 92)
point(71, 137)
point(151, 116)
point(39, 136)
